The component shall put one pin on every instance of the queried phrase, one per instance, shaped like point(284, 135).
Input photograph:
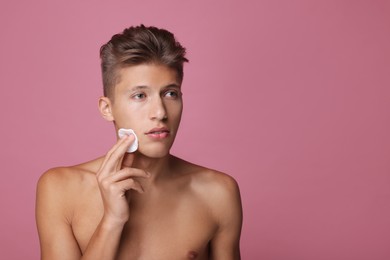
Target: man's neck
point(157, 167)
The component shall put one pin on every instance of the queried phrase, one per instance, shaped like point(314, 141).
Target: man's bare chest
point(160, 227)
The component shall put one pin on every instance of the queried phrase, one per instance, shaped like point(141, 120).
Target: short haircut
point(139, 45)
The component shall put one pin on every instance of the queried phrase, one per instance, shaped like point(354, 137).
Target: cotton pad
point(134, 146)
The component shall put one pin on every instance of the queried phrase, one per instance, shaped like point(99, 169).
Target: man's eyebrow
point(173, 85)
point(138, 88)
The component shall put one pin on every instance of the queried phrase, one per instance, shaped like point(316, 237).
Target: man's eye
point(139, 96)
point(172, 94)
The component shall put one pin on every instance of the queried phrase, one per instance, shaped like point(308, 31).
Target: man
point(148, 204)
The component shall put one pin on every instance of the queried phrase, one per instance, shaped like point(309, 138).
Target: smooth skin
point(145, 205)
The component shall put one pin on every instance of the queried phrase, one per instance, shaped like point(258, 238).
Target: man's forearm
point(104, 242)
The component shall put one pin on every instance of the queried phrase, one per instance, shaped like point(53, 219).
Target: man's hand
point(114, 181)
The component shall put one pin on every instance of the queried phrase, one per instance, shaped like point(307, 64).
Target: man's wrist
point(110, 223)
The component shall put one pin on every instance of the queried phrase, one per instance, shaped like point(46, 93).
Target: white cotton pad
point(134, 146)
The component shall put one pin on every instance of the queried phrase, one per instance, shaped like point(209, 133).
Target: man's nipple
point(192, 255)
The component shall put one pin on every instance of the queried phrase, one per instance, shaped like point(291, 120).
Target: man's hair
point(139, 45)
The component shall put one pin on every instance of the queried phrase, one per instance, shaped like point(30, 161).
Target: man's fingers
point(130, 184)
point(127, 173)
point(114, 157)
point(111, 151)
point(128, 163)
point(129, 158)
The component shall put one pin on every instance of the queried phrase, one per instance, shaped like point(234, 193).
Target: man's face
point(148, 100)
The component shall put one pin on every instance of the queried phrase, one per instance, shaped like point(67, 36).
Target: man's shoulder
point(211, 182)
point(68, 177)
point(214, 180)
point(218, 191)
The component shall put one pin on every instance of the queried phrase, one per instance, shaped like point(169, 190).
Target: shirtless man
point(149, 204)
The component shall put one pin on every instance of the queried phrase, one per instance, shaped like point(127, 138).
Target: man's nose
point(158, 110)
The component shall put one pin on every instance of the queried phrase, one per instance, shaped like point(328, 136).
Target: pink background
point(289, 97)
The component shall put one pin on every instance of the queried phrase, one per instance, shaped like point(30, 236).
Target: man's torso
point(173, 219)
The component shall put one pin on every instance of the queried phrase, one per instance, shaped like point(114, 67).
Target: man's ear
point(105, 108)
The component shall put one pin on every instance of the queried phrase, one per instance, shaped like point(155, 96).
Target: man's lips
point(158, 133)
point(159, 130)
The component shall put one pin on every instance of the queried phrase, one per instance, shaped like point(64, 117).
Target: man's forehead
point(148, 75)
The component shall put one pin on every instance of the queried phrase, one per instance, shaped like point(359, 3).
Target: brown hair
point(138, 45)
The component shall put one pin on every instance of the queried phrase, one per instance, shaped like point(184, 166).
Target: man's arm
point(54, 209)
point(225, 245)
point(55, 233)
